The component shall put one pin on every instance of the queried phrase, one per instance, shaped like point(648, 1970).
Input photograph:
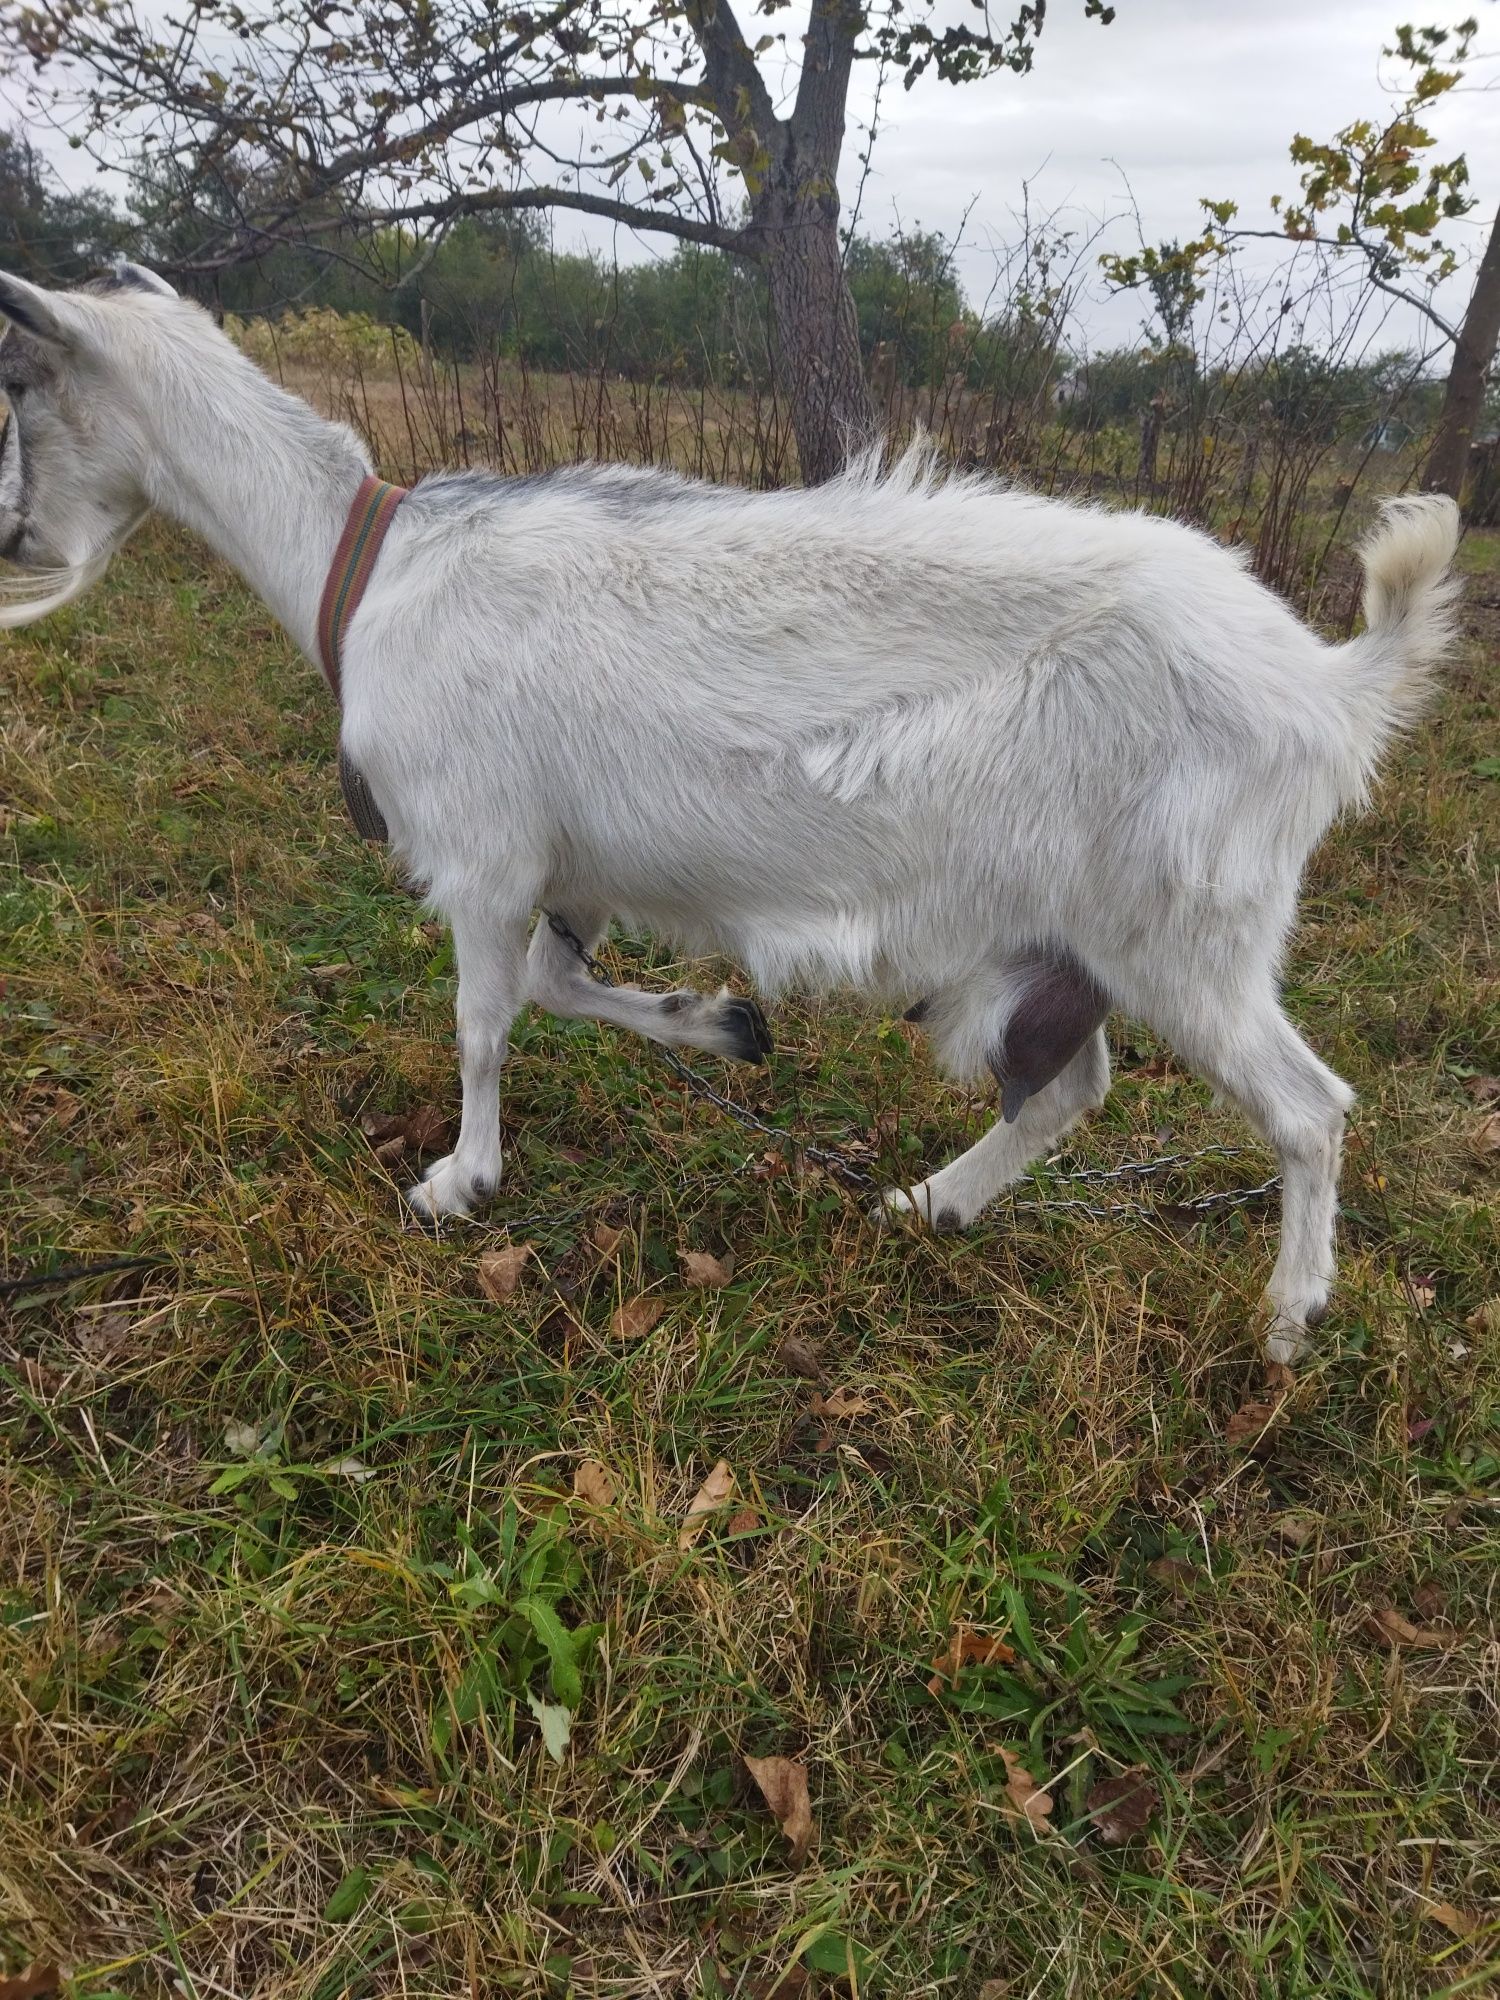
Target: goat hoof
point(747, 1032)
point(915, 1206)
point(447, 1189)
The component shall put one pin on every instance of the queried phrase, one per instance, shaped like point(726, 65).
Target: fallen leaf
point(800, 1357)
point(1298, 1529)
point(709, 1498)
point(424, 1129)
point(1486, 1136)
point(1173, 1572)
point(595, 1483)
point(427, 1129)
point(1422, 1293)
point(698, 1268)
point(1460, 1922)
point(500, 1270)
point(1024, 1794)
point(1124, 1806)
point(351, 1468)
point(783, 1786)
point(65, 1108)
point(38, 1982)
point(995, 1989)
point(1485, 1318)
point(607, 1240)
point(842, 1403)
point(556, 1724)
point(43, 1380)
point(390, 1150)
point(1431, 1600)
point(743, 1521)
point(1249, 1429)
point(1484, 1089)
point(636, 1317)
point(967, 1648)
point(1387, 1626)
point(241, 1439)
point(792, 1984)
point(1280, 1378)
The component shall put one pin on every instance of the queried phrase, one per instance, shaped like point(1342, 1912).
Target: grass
point(292, 1567)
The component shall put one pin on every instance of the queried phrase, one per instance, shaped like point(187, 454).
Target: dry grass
point(278, 1739)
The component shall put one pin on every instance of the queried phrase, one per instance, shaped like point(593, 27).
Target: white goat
point(1026, 760)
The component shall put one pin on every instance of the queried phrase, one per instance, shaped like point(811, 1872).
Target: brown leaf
point(1024, 1795)
point(37, 1983)
point(783, 1786)
point(698, 1268)
point(606, 1239)
point(967, 1648)
point(1422, 1293)
point(1431, 1600)
point(842, 1403)
point(1486, 1136)
point(595, 1483)
point(743, 1521)
point(424, 1129)
point(41, 1378)
point(636, 1317)
point(427, 1130)
point(800, 1357)
point(1124, 1806)
point(791, 1984)
point(1298, 1529)
point(1387, 1627)
point(500, 1270)
point(1249, 1429)
point(1173, 1572)
point(709, 1498)
point(1462, 1923)
point(1484, 1089)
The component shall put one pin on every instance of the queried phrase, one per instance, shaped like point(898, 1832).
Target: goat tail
point(1411, 612)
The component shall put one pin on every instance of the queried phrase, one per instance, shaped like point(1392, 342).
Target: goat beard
point(28, 595)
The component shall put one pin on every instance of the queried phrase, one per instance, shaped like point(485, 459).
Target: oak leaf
point(1387, 1627)
point(967, 1648)
point(800, 1357)
point(783, 1786)
point(708, 1273)
point(710, 1497)
point(1023, 1794)
point(500, 1270)
point(595, 1483)
point(1123, 1806)
point(842, 1403)
point(636, 1317)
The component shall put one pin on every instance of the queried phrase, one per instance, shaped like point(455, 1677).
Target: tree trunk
point(1463, 399)
point(816, 332)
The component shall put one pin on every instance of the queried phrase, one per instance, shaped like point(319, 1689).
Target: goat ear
point(36, 312)
point(144, 281)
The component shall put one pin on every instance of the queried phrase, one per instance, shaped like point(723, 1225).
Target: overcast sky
point(1187, 98)
point(1181, 98)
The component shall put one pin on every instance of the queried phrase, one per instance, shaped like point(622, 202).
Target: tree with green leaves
point(1378, 193)
point(305, 117)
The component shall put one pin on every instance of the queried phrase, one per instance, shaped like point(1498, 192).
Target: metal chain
point(846, 1169)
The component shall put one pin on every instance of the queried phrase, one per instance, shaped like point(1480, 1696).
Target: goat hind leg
point(1256, 1057)
point(952, 1198)
point(722, 1023)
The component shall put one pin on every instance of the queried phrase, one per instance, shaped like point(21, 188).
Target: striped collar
point(350, 571)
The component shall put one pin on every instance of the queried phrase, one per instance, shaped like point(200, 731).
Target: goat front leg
point(491, 990)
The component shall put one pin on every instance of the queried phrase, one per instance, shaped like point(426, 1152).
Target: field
point(352, 1642)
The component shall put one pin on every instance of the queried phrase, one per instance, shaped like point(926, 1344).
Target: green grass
point(269, 1728)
